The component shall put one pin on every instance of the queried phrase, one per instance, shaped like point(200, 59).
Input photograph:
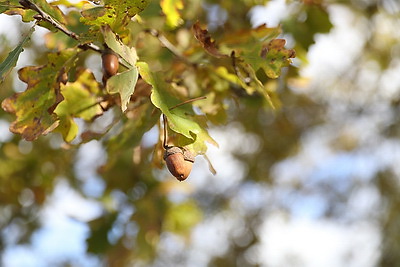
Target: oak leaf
point(34, 107)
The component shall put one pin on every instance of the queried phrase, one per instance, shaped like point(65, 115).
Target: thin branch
point(46, 17)
point(164, 41)
point(188, 101)
point(90, 106)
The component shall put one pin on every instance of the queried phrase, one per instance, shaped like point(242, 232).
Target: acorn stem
point(165, 132)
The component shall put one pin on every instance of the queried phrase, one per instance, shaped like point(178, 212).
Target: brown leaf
point(206, 41)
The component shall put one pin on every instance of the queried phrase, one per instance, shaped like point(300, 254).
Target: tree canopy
point(112, 85)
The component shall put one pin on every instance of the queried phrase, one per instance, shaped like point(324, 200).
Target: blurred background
point(314, 183)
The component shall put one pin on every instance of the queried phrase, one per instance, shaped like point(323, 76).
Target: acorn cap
point(187, 155)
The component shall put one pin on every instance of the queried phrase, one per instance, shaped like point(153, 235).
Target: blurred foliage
point(172, 51)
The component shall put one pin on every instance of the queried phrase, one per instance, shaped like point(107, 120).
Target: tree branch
point(46, 17)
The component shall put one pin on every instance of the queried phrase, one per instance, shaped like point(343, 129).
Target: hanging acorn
point(179, 161)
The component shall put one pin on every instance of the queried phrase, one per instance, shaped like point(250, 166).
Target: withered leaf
point(206, 41)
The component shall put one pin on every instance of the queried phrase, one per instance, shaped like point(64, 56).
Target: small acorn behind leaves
point(110, 63)
point(179, 161)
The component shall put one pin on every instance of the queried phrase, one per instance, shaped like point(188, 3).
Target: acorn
point(110, 63)
point(179, 161)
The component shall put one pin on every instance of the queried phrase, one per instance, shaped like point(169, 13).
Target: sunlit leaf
point(67, 127)
point(124, 84)
point(171, 10)
point(128, 54)
point(276, 57)
point(33, 108)
point(79, 102)
point(26, 14)
point(51, 10)
point(114, 13)
point(223, 73)
point(9, 63)
point(271, 57)
point(76, 4)
point(130, 7)
point(92, 14)
point(31, 8)
point(249, 80)
point(180, 119)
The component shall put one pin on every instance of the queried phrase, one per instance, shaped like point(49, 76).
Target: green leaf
point(232, 78)
point(276, 57)
point(249, 80)
point(13, 6)
point(6, 5)
point(123, 83)
point(78, 102)
point(143, 120)
point(27, 14)
point(259, 49)
point(9, 63)
point(68, 128)
point(115, 13)
point(180, 119)
point(128, 54)
point(96, 16)
point(247, 38)
point(51, 10)
point(171, 10)
point(34, 107)
point(130, 7)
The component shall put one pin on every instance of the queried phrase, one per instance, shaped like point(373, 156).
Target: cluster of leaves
point(164, 61)
point(50, 103)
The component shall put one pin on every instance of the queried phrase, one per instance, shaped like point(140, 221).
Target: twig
point(44, 16)
point(91, 106)
point(164, 41)
point(188, 101)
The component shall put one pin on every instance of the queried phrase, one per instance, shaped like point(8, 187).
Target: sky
point(302, 240)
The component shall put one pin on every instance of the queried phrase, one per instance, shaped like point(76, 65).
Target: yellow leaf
point(171, 10)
